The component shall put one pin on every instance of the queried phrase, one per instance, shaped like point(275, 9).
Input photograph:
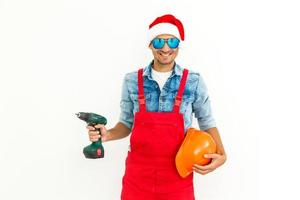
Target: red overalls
point(150, 172)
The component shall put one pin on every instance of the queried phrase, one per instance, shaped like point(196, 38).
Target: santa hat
point(166, 24)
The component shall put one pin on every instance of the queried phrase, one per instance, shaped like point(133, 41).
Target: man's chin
point(165, 62)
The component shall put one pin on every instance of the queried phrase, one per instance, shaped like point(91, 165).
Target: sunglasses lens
point(173, 43)
point(158, 43)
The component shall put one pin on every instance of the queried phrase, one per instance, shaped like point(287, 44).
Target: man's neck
point(163, 68)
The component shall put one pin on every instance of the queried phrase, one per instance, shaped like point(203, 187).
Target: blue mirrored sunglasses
point(159, 43)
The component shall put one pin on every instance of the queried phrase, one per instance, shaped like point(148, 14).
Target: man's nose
point(166, 47)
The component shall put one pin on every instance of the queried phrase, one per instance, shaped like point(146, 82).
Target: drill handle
point(96, 129)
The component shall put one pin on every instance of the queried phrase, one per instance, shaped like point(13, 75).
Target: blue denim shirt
point(195, 97)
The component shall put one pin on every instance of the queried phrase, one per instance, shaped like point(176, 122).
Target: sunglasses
point(159, 43)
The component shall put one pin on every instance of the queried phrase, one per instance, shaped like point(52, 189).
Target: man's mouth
point(165, 54)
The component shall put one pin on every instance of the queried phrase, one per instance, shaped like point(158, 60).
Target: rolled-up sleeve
point(126, 105)
point(202, 107)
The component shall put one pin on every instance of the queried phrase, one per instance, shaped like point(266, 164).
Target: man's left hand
point(217, 161)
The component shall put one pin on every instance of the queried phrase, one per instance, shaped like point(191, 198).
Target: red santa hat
point(166, 24)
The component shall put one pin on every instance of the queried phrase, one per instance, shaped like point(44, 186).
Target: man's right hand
point(95, 135)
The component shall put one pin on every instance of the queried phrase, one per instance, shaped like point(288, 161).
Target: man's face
point(165, 55)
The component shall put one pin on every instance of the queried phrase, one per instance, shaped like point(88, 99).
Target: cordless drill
point(94, 150)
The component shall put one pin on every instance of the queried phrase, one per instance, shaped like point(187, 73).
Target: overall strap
point(178, 98)
point(141, 96)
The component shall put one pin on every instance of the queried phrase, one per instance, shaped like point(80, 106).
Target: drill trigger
point(99, 152)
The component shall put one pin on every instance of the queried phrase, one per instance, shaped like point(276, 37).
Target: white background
point(60, 57)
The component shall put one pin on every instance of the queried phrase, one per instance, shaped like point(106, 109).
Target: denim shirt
point(195, 97)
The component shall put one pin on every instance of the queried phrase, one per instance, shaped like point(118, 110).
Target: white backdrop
point(60, 57)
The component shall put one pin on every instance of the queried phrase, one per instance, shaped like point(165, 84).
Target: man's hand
point(217, 161)
point(95, 135)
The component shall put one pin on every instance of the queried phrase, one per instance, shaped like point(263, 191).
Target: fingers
point(99, 125)
point(203, 172)
point(96, 126)
point(207, 168)
point(94, 138)
point(94, 134)
point(203, 169)
point(91, 128)
point(102, 129)
point(212, 155)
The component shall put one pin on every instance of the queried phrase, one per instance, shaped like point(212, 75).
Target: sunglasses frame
point(166, 41)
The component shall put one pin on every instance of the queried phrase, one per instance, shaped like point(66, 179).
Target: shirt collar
point(177, 70)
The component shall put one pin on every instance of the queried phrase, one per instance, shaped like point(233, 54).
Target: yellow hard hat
point(196, 143)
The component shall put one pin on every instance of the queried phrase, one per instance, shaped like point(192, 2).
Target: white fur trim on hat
point(163, 28)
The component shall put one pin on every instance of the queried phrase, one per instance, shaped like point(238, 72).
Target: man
point(157, 104)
